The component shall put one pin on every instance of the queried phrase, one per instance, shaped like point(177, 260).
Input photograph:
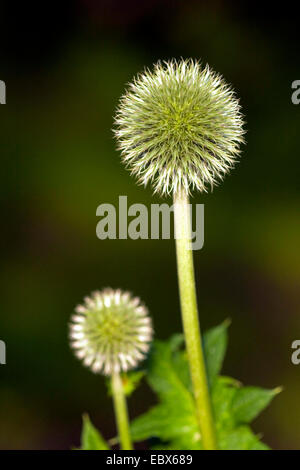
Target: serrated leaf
point(91, 438)
point(164, 378)
point(214, 345)
point(165, 422)
point(173, 420)
point(241, 438)
point(174, 417)
point(223, 392)
point(248, 402)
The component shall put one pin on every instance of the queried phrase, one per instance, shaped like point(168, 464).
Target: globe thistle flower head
point(179, 127)
point(111, 331)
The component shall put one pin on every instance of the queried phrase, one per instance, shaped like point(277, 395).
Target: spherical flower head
point(111, 331)
point(179, 127)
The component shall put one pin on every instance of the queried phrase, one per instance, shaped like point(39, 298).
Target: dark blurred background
point(65, 66)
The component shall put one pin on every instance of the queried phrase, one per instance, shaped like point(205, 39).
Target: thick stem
point(121, 412)
point(191, 325)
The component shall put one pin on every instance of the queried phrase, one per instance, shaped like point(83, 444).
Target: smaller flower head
point(111, 331)
point(179, 127)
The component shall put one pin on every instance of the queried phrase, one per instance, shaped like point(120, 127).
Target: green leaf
point(258, 445)
point(163, 376)
point(248, 402)
point(91, 438)
point(163, 422)
point(174, 417)
point(223, 393)
point(241, 438)
point(173, 420)
point(214, 345)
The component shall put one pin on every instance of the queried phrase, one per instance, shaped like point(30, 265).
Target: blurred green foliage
point(172, 423)
point(174, 419)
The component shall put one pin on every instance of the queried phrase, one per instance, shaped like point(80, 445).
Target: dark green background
point(65, 68)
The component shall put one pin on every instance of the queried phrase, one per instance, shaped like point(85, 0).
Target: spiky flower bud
point(179, 127)
point(111, 331)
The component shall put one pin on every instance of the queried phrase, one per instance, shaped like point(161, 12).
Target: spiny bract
point(179, 127)
point(111, 331)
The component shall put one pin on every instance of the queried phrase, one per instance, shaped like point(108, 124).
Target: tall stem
point(191, 325)
point(121, 412)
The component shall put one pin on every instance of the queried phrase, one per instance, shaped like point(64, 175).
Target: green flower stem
point(191, 325)
point(121, 412)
